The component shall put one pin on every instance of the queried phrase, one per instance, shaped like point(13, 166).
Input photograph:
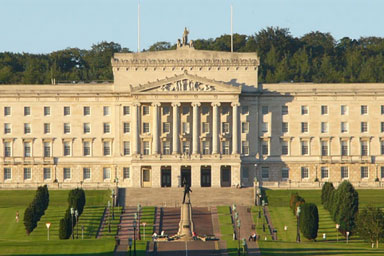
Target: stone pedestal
point(185, 225)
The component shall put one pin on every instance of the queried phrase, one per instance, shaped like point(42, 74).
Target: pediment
point(186, 83)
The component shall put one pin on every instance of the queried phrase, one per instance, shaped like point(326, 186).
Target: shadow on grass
point(319, 251)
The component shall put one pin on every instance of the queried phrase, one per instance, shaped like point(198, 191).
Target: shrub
point(36, 209)
point(309, 220)
point(370, 225)
point(325, 194)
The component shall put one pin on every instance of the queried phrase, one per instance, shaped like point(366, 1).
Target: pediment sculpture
point(186, 85)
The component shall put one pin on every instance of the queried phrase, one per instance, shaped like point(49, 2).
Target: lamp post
point(72, 213)
point(238, 239)
point(82, 232)
point(134, 237)
point(130, 246)
point(347, 235)
point(138, 213)
point(109, 216)
point(113, 204)
point(337, 232)
point(77, 224)
point(298, 227)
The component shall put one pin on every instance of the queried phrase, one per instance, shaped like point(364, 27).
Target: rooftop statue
point(185, 36)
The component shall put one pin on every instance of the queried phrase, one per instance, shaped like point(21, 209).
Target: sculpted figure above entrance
point(186, 85)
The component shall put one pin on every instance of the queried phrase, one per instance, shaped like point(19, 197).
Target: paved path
point(202, 221)
point(194, 248)
point(246, 229)
point(126, 230)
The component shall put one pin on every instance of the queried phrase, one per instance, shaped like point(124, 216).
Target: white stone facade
point(194, 115)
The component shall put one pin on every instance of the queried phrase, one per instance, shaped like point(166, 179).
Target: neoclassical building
point(198, 116)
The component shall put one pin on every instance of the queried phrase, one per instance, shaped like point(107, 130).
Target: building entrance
point(165, 177)
point(225, 177)
point(146, 177)
point(186, 175)
point(205, 176)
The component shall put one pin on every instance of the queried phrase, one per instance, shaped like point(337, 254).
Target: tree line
point(313, 57)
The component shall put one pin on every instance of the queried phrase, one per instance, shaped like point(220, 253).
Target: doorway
point(186, 175)
point(205, 176)
point(225, 176)
point(166, 177)
point(146, 177)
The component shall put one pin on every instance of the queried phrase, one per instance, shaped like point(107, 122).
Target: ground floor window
point(7, 173)
point(67, 173)
point(324, 172)
point(106, 173)
point(344, 172)
point(382, 172)
point(285, 173)
point(364, 172)
point(47, 173)
point(86, 173)
point(126, 173)
point(265, 172)
point(304, 173)
point(146, 175)
point(27, 173)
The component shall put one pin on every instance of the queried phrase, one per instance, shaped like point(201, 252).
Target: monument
point(186, 224)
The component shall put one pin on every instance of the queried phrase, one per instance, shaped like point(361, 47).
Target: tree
point(309, 220)
point(325, 194)
point(295, 201)
point(370, 225)
point(347, 207)
point(160, 46)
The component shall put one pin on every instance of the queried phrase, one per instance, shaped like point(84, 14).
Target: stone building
point(186, 114)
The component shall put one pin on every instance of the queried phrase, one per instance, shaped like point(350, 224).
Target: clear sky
point(42, 26)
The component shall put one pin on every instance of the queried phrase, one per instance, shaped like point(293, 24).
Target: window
point(382, 172)
point(67, 173)
point(382, 126)
point(126, 173)
point(106, 127)
point(7, 128)
point(47, 149)
point(67, 111)
point(344, 172)
point(364, 148)
point(86, 110)
point(67, 128)
point(324, 110)
point(364, 172)
point(145, 127)
point(47, 173)
point(146, 175)
point(265, 172)
point(225, 149)
point(245, 147)
point(127, 148)
point(165, 110)
point(244, 127)
point(344, 110)
point(7, 111)
point(7, 173)
point(382, 147)
point(146, 150)
point(67, 148)
point(364, 127)
point(27, 128)
point(245, 173)
point(284, 148)
point(264, 110)
point(264, 127)
point(185, 110)
point(186, 147)
point(27, 111)
point(304, 127)
point(364, 109)
point(205, 127)
point(284, 127)
point(145, 110)
point(344, 148)
point(126, 127)
point(86, 128)
point(126, 110)
point(166, 148)
point(244, 110)
point(206, 149)
point(205, 110)
point(382, 109)
point(185, 127)
point(166, 127)
point(304, 110)
point(27, 173)
point(304, 148)
point(47, 111)
point(285, 173)
point(324, 172)
point(225, 127)
point(264, 148)
point(284, 110)
point(304, 173)
point(344, 127)
point(106, 110)
point(47, 128)
point(7, 149)
point(86, 173)
point(86, 148)
point(106, 173)
point(107, 148)
point(27, 149)
point(324, 127)
point(324, 148)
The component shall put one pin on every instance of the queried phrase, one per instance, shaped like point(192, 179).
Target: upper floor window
point(86, 128)
point(225, 127)
point(304, 148)
point(145, 110)
point(284, 148)
point(7, 149)
point(364, 109)
point(166, 127)
point(106, 110)
point(382, 109)
point(185, 110)
point(206, 148)
point(126, 127)
point(107, 127)
point(324, 127)
point(284, 127)
point(106, 148)
point(126, 110)
point(284, 110)
point(344, 148)
point(265, 148)
point(245, 147)
point(47, 128)
point(364, 127)
point(146, 148)
point(304, 127)
point(7, 128)
point(165, 110)
point(47, 111)
point(344, 110)
point(264, 110)
point(244, 127)
point(67, 148)
point(127, 148)
point(225, 110)
point(264, 127)
point(145, 127)
point(324, 110)
point(86, 148)
point(27, 149)
point(344, 127)
point(67, 128)
point(67, 111)
point(27, 111)
point(304, 110)
point(205, 110)
point(7, 111)
point(86, 110)
point(27, 128)
point(185, 127)
point(244, 110)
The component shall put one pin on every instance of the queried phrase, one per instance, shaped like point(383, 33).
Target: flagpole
point(231, 30)
point(138, 26)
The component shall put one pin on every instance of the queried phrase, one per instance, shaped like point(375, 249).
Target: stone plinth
point(186, 224)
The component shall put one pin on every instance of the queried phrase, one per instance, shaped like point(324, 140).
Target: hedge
point(36, 209)
point(309, 220)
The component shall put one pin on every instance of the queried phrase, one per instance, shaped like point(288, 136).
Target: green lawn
point(14, 241)
point(286, 245)
point(226, 229)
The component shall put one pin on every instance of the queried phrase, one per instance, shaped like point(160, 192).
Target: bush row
point(36, 209)
point(76, 200)
point(342, 203)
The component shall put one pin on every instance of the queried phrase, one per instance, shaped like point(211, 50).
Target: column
point(175, 129)
point(215, 126)
point(195, 134)
point(155, 127)
point(235, 125)
point(135, 128)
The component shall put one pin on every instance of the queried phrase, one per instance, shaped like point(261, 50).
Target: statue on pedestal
point(185, 36)
point(187, 189)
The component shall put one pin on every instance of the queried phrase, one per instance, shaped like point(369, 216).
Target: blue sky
point(42, 26)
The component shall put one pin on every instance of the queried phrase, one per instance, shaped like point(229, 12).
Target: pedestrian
point(17, 216)
point(254, 236)
point(194, 235)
